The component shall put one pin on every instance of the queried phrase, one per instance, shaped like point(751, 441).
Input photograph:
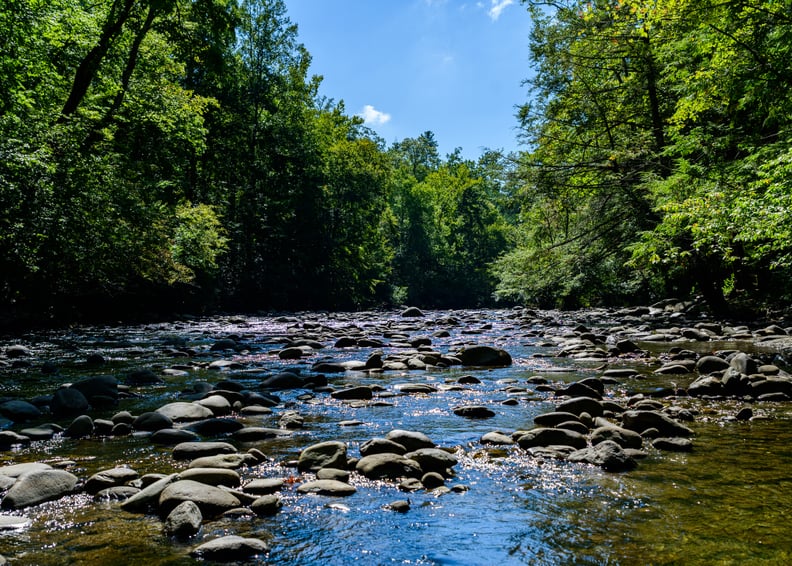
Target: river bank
point(275, 387)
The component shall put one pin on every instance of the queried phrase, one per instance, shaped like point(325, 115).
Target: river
point(726, 502)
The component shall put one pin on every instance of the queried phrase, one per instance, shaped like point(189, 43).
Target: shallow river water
point(727, 502)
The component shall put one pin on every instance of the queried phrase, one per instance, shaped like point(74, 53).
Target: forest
point(162, 156)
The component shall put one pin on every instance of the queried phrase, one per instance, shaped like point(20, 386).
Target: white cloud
point(497, 7)
point(372, 116)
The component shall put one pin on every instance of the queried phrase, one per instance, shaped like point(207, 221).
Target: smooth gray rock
point(327, 487)
point(551, 436)
point(381, 445)
point(388, 466)
point(149, 496)
point(474, 411)
point(109, 478)
point(623, 437)
point(639, 421)
point(486, 356)
point(225, 461)
point(264, 486)
point(212, 501)
point(330, 454)
point(411, 440)
point(212, 476)
point(192, 450)
point(173, 436)
point(184, 521)
point(150, 421)
point(607, 454)
point(19, 411)
point(267, 505)
point(433, 459)
point(231, 548)
point(184, 412)
point(68, 402)
point(39, 486)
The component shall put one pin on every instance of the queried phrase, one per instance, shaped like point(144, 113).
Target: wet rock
point(623, 437)
point(215, 426)
point(484, 356)
point(212, 501)
point(185, 412)
point(217, 404)
point(551, 436)
point(148, 497)
point(291, 420)
point(433, 459)
point(432, 480)
point(152, 421)
point(230, 548)
point(223, 345)
point(770, 386)
point(19, 411)
point(674, 444)
point(640, 421)
point(143, 377)
point(497, 439)
point(9, 439)
point(327, 487)
point(39, 486)
point(580, 405)
point(380, 446)
point(109, 478)
point(354, 393)
point(333, 474)
point(607, 454)
point(411, 440)
point(328, 367)
point(412, 312)
point(212, 476)
point(68, 402)
point(256, 434)
point(388, 466)
point(400, 506)
point(474, 412)
point(103, 386)
point(116, 493)
point(81, 427)
point(226, 461)
point(743, 363)
point(264, 486)
point(267, 505)
point(42, 432)
point(283, 380)
point(17, 470)
point(579, 389)
point(706, 385)
point(711, 364)
point(330, 454)
point(191, 450)
point(184, 521)
point(16, 351)
point(744, 414)
point(554, 418)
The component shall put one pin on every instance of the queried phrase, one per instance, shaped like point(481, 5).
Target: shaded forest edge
point(161, 157)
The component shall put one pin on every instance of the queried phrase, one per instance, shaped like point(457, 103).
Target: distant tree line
point(176, 154)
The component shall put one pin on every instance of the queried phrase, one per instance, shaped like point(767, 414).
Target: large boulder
point(212, 501)
point(330, 454)
point(39, 486)
point(487, 356)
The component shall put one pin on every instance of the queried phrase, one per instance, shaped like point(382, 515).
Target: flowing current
point(726, 502)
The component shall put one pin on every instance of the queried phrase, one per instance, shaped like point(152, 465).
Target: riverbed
point(725, 502)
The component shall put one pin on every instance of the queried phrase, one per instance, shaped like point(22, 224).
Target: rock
point(388, 466)
point(329, 367)
point(212, 501)
point(217, 404)
point(551, 436)
point(359, 393)
point(215, 426)
point(675, 444)
point(333, 474)
point(39, 486)
point(192, 450)
point(580, 405)
point(16, 351)
point(554, 418)
point(579, 389)
point(433, 459)
point(411, 440)
point(745, 414)
point(116, 493)
point(109, 478)
point(9, 439)
point(103, 386)
point(212, 476)
point(267, 505)
point(497, 439)
point(183, 412)
point(184, 521)
point(81, 427)
point(474, 412)
point(42, 432)
point(711, 364)
point(640, 421)
point(743, 363)
point(770, 386)
point(327, 487)
point(255, 434)
point(225, 461)
point(621, 436)
point(380, 446)
point(152, 421)
point(17, 470)
point(706, 385)
point(230, 548)
point(149, 496)
point(607, 454)
point(412, 312)
point(400, 506)
point(328, 454)
point(19, 411)
point(283, 380)
point(264, 486)
point(291, 420)
point(223, 344)
point(432, 480)
point(486, 356)
point(142, 377)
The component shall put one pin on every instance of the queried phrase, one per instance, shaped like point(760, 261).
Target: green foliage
point(199, 239)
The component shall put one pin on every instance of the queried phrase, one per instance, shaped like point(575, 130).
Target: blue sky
point(454, 67)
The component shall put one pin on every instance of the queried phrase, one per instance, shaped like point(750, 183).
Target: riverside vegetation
point(518, 435)
point(175, 155)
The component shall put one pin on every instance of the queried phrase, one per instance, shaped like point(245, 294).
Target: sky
point(454, 67)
